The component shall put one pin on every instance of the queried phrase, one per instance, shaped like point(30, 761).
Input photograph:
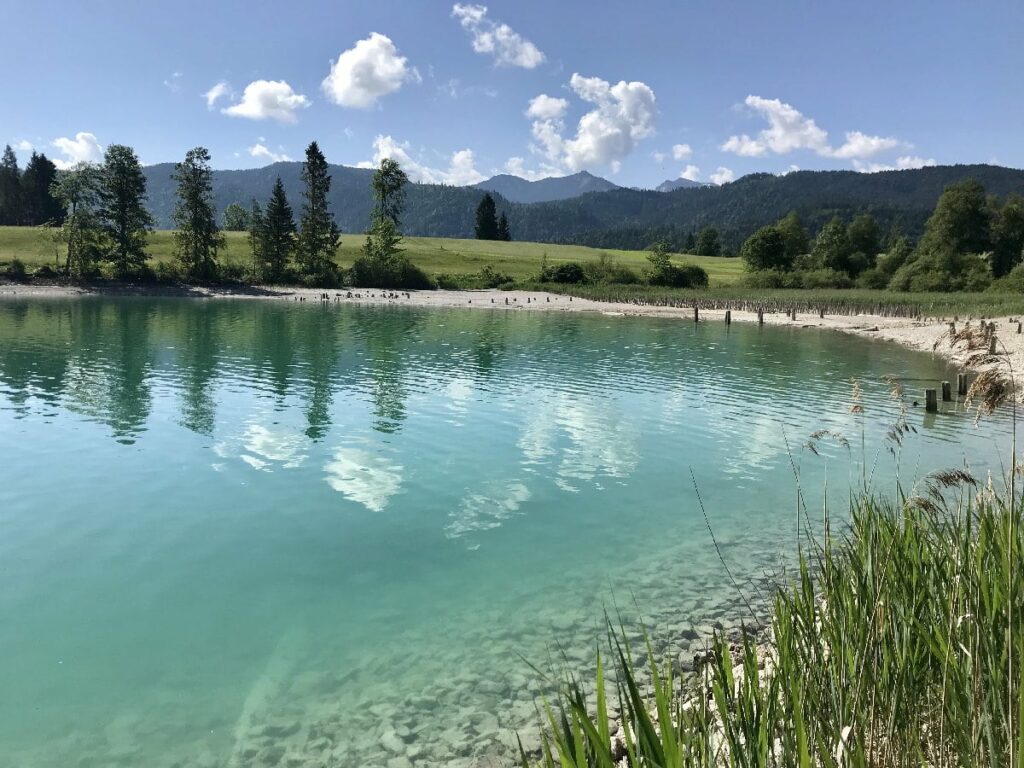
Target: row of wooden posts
point(931, 395)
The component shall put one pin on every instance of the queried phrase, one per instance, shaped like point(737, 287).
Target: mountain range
point(588, 210)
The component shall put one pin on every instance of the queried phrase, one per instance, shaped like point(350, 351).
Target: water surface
point(252, 533)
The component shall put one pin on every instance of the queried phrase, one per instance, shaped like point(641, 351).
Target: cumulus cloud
point(861, 146)
point(507, 46)
point(461, 170)
point(691, 173)
point(622, 114)
point(219, 91)
point(546, 107)
point(268, 99)
point(902, 164)
point(722, 175)
point(261, 151)
point(84, 148)
point(367, 71)
point(517, 167)
point(789, 130)
point(681, 151)
point(23, 145)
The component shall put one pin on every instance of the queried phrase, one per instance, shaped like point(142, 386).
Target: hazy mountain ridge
point(619, 217)
point(519, 190)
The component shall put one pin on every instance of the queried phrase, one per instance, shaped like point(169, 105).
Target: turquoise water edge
point(243, 533)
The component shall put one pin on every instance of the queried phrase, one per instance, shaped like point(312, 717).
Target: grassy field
point(436, 255)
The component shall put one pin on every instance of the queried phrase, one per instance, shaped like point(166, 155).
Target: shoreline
point(920, 335)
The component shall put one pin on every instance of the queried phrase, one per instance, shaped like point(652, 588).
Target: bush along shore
point(898, 641)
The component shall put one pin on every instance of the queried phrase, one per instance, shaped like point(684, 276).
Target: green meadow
point(436, 255)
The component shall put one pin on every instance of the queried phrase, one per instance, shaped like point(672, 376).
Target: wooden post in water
point(728, 317)
point(821, 314)
point(696, 315)
point(931, 401)
point(760, 317)
point(961, 384)
point(947, 393)
point(1020, 326)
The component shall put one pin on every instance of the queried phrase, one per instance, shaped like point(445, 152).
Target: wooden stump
point(947, 392)
point(931, 401)
point(961, 384)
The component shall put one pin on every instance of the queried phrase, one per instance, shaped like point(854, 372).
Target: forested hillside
point(622, 218)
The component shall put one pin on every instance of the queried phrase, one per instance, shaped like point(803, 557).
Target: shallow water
point(249, 533)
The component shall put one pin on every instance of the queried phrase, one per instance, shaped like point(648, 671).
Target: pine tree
point(10, 188)
point(125, 220)
point(257, 230)
point(278, 234)
point(38, 204)
point(486, 219)
point(504, 233)
point(691, 243)
point(197, 238)
point(708, 243)
point(318, 234)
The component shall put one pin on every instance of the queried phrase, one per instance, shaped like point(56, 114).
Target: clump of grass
point(898, 644)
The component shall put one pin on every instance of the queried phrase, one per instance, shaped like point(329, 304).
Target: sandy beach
point(915, 334)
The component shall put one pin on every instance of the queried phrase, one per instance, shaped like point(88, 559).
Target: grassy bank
point(435, 255)
point(899, 643)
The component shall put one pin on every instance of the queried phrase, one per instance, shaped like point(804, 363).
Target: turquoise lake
point(240, 533)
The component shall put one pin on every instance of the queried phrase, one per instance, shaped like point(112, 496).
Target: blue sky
point(637, 92)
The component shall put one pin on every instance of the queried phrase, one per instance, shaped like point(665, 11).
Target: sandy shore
point(915, 334)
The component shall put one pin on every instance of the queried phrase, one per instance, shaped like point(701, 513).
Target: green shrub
point(875, 277)
point(45, 272)
point(568, 272)
point(769, 279)
point(1013, 282)
point(168, 272)
point(825, 278)
point(233, 272)
point(16, 270)
point(367, 272)
point(606, 271)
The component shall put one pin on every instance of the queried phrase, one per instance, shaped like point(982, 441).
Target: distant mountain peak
point(671, 185)
point(520, 190)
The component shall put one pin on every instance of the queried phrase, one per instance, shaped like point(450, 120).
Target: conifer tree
point(256, 236)
point(10, 188)
point(486, 219)
point(38, 203)
point(504, 233)
point(278, 234)
point(125, 219)
point(197, 238)
point(318, 234)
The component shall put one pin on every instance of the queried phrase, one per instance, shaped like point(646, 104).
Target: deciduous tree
point(125, 220)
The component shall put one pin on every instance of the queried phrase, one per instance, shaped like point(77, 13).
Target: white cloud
point(546, 107)
point(84, 148)
point(517, 167)
point(24, 145)
point(507, 46)
point(367, 71)
point(902, 164)
point(173, 83)
point(659, 157)
point(219, 91)
point(260, 150)
point(691, 173)
point(859, 145)
point(273, 99)
point(722, 175)
point(789, 130)
point(681, 151)
point(461, 169)
point(622, 115)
